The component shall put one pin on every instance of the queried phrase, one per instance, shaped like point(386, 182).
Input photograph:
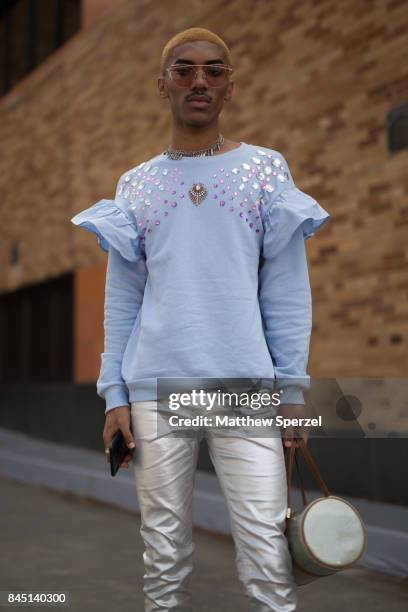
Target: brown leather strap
point(292, 452)
point(293, 456)
point(302, 486)
point(313, 467)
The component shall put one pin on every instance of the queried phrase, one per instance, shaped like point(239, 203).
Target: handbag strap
point(293, 455)
point(292, 451)
point(313, 467)
point(302, 486)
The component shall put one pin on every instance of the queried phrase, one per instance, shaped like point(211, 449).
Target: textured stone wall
point(314, 80)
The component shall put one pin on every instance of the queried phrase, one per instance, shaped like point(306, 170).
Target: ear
point(228, 93)
point(162, 86)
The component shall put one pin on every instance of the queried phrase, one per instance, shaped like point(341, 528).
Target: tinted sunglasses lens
point(216, 75)
point(184, 75)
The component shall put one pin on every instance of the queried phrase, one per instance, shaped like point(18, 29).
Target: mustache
point(192, 96)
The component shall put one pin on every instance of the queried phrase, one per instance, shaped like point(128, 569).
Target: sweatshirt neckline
point(209, 158)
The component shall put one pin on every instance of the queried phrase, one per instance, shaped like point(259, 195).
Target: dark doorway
point(36, 333)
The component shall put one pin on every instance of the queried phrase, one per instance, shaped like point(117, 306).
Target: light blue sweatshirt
point(214, 288)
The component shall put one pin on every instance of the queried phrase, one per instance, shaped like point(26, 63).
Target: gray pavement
point(60, 542)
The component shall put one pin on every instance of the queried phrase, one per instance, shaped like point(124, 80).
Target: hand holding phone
point(118, 438)
point(118, 451)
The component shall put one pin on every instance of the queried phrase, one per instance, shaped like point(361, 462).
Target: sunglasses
point(184, 75)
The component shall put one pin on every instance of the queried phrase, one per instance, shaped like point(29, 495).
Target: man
point(206, 278)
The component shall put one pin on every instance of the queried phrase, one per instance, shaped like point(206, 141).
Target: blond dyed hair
point(191, 35)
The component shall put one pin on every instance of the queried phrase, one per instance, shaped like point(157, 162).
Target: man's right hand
point(119, 418)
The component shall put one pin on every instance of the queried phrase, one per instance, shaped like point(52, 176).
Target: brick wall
point(314, 80)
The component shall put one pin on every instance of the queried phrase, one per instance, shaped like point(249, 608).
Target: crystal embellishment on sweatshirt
point(197, 193)
point(154, 193)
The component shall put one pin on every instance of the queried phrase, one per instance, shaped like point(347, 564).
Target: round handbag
point(328, 535)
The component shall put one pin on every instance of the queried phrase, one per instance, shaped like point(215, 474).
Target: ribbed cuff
point(116, 396)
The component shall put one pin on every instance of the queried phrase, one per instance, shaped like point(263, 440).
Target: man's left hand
point(292, 435)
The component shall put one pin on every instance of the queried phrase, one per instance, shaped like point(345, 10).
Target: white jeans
point(252, 475)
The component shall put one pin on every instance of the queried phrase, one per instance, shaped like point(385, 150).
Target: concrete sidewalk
point(60, 542)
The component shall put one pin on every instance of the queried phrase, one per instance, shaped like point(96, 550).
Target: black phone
point(118, 450)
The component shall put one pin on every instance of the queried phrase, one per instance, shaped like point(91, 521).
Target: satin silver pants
point(252, 475)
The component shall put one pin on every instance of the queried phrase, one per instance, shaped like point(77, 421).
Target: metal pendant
point(197, 193)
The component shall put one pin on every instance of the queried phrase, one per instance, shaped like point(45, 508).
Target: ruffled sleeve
point(285, 209)
point(113, 225)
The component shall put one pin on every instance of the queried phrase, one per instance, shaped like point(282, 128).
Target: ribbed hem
point(144, 389)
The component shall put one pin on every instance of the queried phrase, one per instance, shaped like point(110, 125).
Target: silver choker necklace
point(179, 153)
